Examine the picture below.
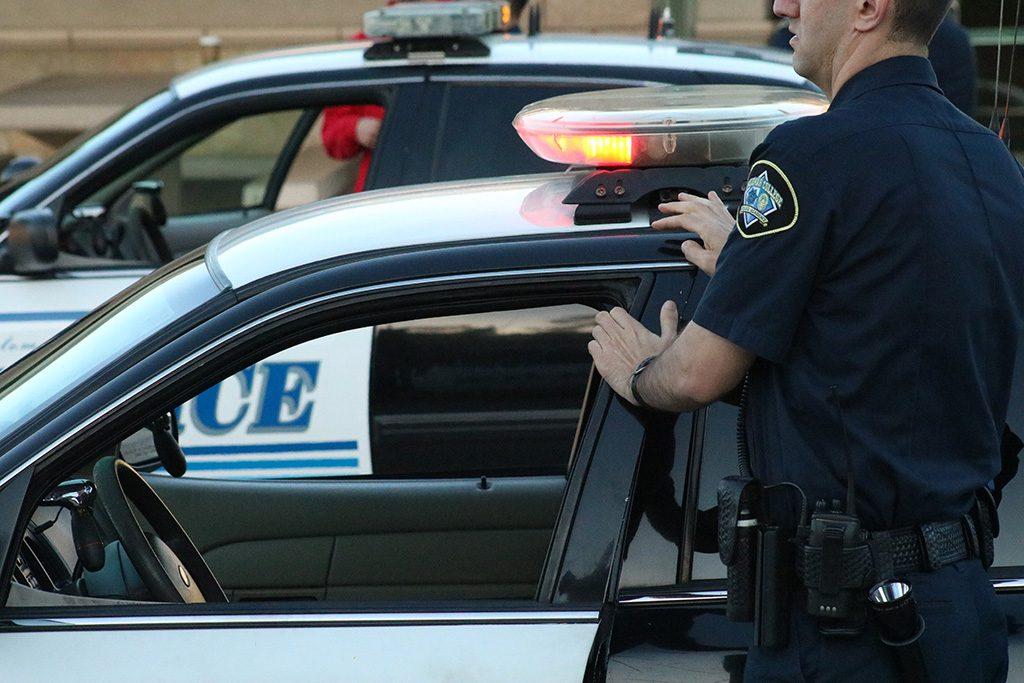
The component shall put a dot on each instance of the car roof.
(400, 218)
(507, 49)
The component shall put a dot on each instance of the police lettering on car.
(870, 284)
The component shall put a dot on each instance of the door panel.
(394, 539)
(485, 650)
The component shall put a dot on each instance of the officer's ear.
(874, 15)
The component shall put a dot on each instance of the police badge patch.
(769, 203)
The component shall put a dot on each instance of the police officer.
(950, 53)
(879, 250)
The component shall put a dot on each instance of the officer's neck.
(865, 54)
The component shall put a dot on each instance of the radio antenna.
(1004, 129)
(851, 489)
(999, 67)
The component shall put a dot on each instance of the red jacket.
(339, 131)
(339, 135)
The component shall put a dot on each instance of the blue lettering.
(280, 408)
(204, 407)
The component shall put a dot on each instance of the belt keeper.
(971, 535)
(880, 545)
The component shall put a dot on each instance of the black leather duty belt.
(889, 554)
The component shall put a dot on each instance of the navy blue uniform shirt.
(880, 249)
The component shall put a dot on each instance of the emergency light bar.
(661, 126)
(438, 19)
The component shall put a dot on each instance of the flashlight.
(900, 626)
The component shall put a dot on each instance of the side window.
(401, 486)
(490, 394)
(228, 170)
(321, 169)
(232, 167)
(474, 112)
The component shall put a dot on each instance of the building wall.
(97, 41)
(45, 37)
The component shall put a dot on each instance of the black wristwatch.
(634, 382)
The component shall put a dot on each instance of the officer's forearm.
(696, 370)
(665, 386)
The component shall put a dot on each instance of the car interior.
(460, 504)
(228, 174)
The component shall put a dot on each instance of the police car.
(464, 560)
(236, 141)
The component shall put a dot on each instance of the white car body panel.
(425, 214)
(434, 653)
(32, 311)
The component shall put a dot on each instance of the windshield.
(84, 147)
(99, 339)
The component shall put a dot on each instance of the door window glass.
(318, 172)
(421, 460)
(228, 170)
(489, 394)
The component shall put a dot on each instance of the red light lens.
(585, 150)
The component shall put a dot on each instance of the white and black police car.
(236, 141)
(519, 522)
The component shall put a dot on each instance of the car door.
(398, 635)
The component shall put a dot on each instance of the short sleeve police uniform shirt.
(879, 249)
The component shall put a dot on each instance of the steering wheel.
(167, 560)
(131, 229)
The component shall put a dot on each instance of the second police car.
(599, 566)
(235, 141)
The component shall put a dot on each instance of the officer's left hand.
(708, 218)
(621, 342)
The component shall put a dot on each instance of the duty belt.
(888, 554)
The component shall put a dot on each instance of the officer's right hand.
(708, 218)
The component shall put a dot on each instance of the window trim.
(211, 347)
(527, 613)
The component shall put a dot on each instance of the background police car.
(447, 118)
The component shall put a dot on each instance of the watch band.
(634, 382)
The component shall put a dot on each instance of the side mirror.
(18, 165)
(32, 241)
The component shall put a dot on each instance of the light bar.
(438, 19)
(663, 126)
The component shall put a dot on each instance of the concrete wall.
(96, 41)
(44, 37)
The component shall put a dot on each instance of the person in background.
(352, 130)
(950, 53)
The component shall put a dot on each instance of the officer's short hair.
(517, 6)
(917, 20)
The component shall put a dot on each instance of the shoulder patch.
(769, 202)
